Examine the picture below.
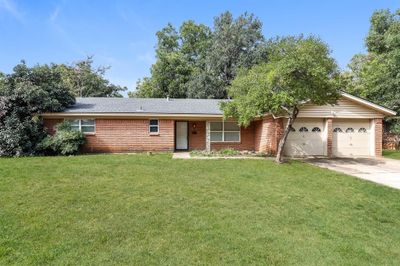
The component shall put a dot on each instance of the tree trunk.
(288, 128)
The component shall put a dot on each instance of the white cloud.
(54, 14)
(10, 7)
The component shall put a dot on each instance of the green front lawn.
(139, 209)
(391, 154)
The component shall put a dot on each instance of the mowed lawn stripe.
(139, 209)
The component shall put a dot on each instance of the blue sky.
(121, 34)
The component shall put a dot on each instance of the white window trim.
(80, 125)
(223, 133)
(158, 127)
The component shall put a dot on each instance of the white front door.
(351, 137)
(181, 138)
(306, 139)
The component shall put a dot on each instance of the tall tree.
(24, 94)
(199, 62)
(177, 54)
(375, 75)
(84, 80)
(300, 70)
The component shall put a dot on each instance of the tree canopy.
(84, 80)
(375, 75)
(24, 94)
(199, 62)
(299, 70)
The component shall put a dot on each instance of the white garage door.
(351, 138)
(306, 139)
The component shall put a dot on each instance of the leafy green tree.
(195, 42)
(375, 75)
(199, 62)
(300, 70)
(25, 94)
(84, 80)
(173, 68)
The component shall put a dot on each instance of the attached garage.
(350, 128)
(352, 137)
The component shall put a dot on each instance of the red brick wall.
(329, 141)
(49, 125)
(378, 137)
(258, 133)
(267, 134)
(264, 135)
(197, 135)
(124, 135)
(246, 141)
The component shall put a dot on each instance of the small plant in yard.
(229, 152)
(66, 141)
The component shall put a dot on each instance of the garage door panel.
(306, 139)
(351, 138)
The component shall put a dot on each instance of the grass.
(151, 210)
(393, 154)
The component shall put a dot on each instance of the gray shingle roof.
(145, 105)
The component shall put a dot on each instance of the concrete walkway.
(379, 170)
(181, 155)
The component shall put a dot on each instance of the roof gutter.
(127, 115)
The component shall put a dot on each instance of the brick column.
(208, 141)
(329, 139)
(378, 136)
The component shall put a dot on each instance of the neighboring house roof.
(97, 106)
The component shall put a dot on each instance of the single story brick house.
(352, 127)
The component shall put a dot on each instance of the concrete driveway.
(378, 170)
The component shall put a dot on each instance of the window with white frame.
(86, 126)
(153, 126)
(224, 132)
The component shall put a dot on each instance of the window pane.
(75, 127)
(216, 126)
(153, 129)
(74, 123)
(216, 136)
(87, 122)
(231, 126)
(154, 122)
(231, 136)
(88, 129)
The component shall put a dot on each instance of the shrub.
(66, 141)
(229, 152)
(18, 135)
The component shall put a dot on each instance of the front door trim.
(187, 136)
